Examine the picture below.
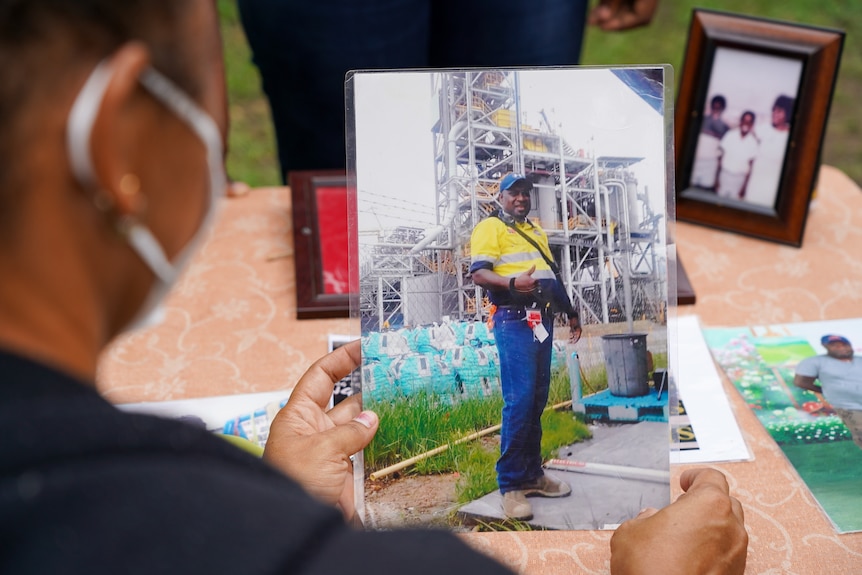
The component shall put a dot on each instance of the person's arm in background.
(565, 305)
(806, 373)
(613, 15)
(806, 382)
(744, 187)
(718, 164)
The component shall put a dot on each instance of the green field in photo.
(833, 472)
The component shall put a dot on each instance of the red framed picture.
(321, 219)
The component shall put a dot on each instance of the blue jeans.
(525, 376)
(303, 48)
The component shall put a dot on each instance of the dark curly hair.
(46, 43)
(785, 103)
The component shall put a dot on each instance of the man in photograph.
(766, 170)
(738, 149)
(512, 261)
(705, 168)
(839, 372)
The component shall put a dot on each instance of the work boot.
(516, 506)
(546, 486)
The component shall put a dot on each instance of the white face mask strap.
(175, 99)
(147, 247)
(82, 116)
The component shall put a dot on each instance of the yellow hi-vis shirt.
(497, 247)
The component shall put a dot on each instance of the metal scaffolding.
(601, 227)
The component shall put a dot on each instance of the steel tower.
(600, 224)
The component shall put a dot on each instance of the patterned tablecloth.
(230, 328)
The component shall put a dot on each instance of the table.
(230, 325)
(743, 281)
(230, 328)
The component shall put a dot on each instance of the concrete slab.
(597, 501)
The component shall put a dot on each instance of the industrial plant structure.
(606, 236)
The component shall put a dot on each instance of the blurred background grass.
(251, 141)
(252, 156)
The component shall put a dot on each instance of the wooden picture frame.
(321, 203)
(774, 79)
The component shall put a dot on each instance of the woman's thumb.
(356, 434)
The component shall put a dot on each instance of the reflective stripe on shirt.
(492, 241)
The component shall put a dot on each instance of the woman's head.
(148, 162)
(48, 46)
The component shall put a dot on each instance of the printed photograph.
(804, 383)
(513, 296)
(746, 126)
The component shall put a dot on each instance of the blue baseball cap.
(826, 339)
(511, 179)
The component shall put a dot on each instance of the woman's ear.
(116, 127)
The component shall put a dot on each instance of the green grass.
(505, 525)
(422, 422)
(476, 464)
(251, 141)
(252, 144)
(561, 428)
(561, 389)
(595, 379)
(478, 474)
(783, 351)
(832, 472)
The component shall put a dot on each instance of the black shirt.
(86, 488)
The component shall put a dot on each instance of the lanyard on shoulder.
(551, 263)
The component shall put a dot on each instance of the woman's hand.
(313, 445)
(701, 533)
